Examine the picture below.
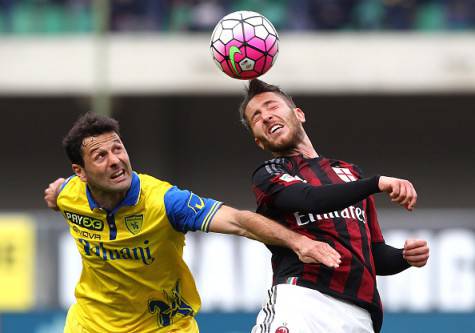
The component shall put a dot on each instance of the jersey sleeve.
(271, 178)
(187, 211)
(275, 186)
(373, 224)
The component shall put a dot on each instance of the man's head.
(272, 117)
(97, 153)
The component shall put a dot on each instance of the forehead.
(260, 100)
(92, 143)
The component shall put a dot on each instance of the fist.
(51, 193)
(400, 191)
(416, 252)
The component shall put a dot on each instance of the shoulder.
(274, 167)
(347, 166)
(72, 185)
(72, 192)
(150, 184)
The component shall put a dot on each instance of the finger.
(327, 260)
(402, 193)
(418, 263)
(331, 263)
(417, 258)
(413, 202)
(416, 251)
(414, 243)
(395, 190)
(334, 259)
(409, 194)
(332, 252)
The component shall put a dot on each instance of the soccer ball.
(244, 45)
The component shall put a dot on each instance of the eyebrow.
(264, 105)
(116, 140)
(269, 102)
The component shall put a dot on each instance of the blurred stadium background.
(389, 85)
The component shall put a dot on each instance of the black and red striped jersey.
(351, 230)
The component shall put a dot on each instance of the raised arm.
(307, 198)
(245, 223)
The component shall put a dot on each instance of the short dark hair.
(89, 124)
(257, 87)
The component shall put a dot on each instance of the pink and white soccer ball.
(244, 45)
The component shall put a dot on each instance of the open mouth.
(118, 174)
(275, 128)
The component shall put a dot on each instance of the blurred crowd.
(77, 16)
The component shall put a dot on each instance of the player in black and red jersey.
(330, 201)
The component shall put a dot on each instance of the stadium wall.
(174, 63)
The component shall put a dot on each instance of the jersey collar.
(131, 198)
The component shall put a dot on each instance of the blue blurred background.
(389, 85)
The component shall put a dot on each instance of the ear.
(80, 172)
(299, 114)
(259, 143)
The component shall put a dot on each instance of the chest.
(325, 172)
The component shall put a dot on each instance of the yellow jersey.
(134, 278)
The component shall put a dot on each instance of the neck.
(107, 200)
(304, 148)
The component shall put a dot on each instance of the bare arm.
(251, 225)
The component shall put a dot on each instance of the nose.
(113, 159)
(267, 117)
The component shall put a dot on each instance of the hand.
(416, 252)
(400, 191)
(310, 251)
(51, 193)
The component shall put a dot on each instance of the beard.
(288, 144)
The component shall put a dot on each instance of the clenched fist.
(51, 193)
(416, 252)
(400, 191)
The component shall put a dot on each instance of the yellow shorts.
(184, 325)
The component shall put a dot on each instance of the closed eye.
(255, 116)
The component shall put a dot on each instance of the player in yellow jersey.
(130, 229)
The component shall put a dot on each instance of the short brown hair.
(89, 124)
(257, 87)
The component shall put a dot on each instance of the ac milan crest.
(282, 329)
(344, 174)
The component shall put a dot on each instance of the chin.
(279, 147)
(120, 187)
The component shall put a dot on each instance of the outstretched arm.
(307, 198)
(245, 223)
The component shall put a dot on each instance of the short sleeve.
(187, 211)
(63, 185)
